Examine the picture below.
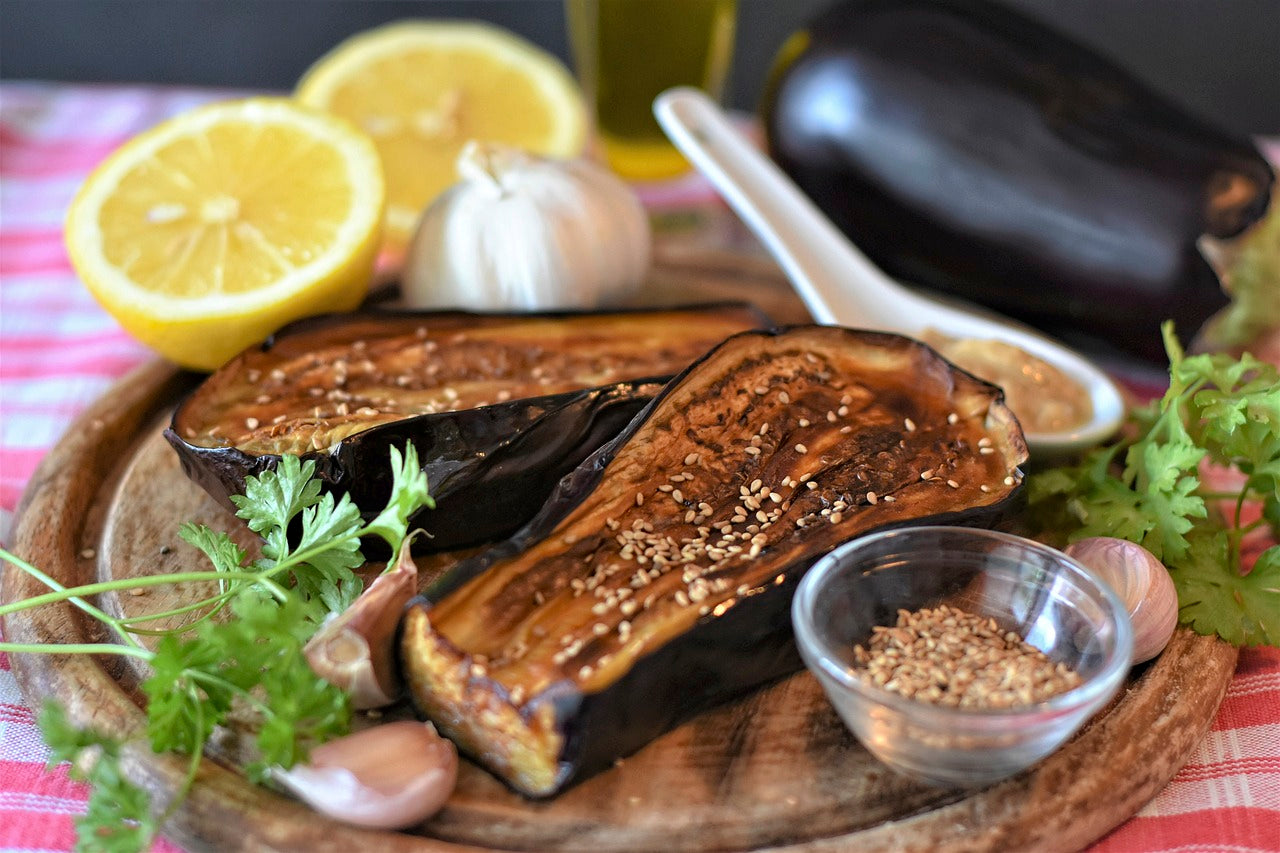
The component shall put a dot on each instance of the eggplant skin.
(499, 407)
(970, 149)
(656, 581)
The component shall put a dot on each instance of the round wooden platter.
(776, 771)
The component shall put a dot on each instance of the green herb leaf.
(1218, 409)
(252, 660)
(273, 498)
(118, 817)
(1215, 599)
(408, 494)
(328, 550)
(1251, 278)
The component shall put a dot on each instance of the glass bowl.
(1053, 602)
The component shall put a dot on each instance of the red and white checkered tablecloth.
(59, 351)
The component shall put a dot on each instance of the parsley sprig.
(250, 662)
(1147, 488)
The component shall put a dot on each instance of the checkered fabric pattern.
(59, 351)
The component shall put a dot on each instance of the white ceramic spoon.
(840, 285)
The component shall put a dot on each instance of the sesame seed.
(784, 397)
(761, 390)
(1008, 481)
(836, 517)
(984, 487)
(677, 495)
(804, 422)
(953, 418)
(585, 672)
(986, 451)
(754, 451)
(692, 459)
(811, 485)
(909, 424)
(872, 498)
(953, 484)
(251, 423)
(639, 499)
(831, 417)
(764, 428)
(800, 448)
(926, 474)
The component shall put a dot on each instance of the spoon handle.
(837, 283)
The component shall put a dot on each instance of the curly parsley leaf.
(118, 817)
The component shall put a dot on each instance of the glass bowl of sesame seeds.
(960, 656)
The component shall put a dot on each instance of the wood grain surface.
(775, 771)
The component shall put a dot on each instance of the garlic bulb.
(520, 232)
(1143, 584)
(388, 777)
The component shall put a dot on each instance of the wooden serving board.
(776, 771)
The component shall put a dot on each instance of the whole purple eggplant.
(970, 149)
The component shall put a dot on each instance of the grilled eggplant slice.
(657, 580)
(499, 407)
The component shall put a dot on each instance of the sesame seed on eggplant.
(656, 581)
(499, 406)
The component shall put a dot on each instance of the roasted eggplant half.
(657, 580)
(499, 407)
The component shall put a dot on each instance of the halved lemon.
(208, 232)
(422, 89)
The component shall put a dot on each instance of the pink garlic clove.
(355, 649)
(388, 777)
(1143, 584)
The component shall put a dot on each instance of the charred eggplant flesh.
(657, 580)
(498, 406)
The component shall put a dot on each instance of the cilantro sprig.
(1147, 488)
(250, 662)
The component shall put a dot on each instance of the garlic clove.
(1143, 584)
(388, 777)
(355, 649)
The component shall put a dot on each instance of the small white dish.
(840, 285)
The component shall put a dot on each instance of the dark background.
(1219, 58)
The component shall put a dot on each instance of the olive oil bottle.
(629, 51)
